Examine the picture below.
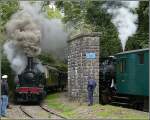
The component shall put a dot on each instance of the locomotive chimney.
(30, 63)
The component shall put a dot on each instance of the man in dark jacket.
(90, 87)
(4, 96)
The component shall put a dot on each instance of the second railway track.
(52, 112)
(40, 112)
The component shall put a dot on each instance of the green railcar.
(55, 79)
(132, 72)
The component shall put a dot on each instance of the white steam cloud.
(15, 56)
(123, 18)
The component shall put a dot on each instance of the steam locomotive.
(131, 81)
(33, 84)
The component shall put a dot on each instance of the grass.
(54, 103)
(122, 113)
(74, 110)
(52, 97)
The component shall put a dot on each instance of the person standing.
(91, 87)
(4, 96)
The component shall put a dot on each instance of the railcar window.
(141, 58)
(118, 67)
(122, 66)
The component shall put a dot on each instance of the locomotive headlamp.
(5, 76)
(112, 58)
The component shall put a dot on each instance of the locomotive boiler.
(30, 84)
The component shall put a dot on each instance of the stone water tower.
(83, 61)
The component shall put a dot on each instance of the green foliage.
(5, 66)
(52, 97)
(90, 14)
(7, 8)
(62, 67)
(109, 43)
(5, 69)
(2, 39)
(51, 13)
(46, 58)
(140, 39)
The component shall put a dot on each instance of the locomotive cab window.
(141, 58)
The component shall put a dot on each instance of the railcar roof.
(52, 68)
(132, 51)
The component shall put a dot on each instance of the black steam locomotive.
(33, 83)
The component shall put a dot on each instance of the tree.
(46, 58)
(90, 14)
(140, 39)
(7, 8)
(51, 13)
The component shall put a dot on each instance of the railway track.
(27, 110)
(52, 112)
(26, 113)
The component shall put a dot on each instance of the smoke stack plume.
(15, 56)
(53, 39)
(123, 18)
(26, 32)
(29, 31)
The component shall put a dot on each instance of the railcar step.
(119, 103)
(120, 97)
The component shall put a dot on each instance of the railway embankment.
(60, 103)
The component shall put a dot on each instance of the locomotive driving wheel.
(105, 96)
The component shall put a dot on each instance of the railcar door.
(121, 75)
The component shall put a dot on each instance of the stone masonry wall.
(80, 67)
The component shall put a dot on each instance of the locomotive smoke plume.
(25, 32)
(28, 31)
(15, 56)
(53, 37)
(123, 18)
(39, 66)
(24, 35)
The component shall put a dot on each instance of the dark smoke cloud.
(53, 39)
(29, 31)
(25, 32)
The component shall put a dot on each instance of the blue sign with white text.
(91, 55)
